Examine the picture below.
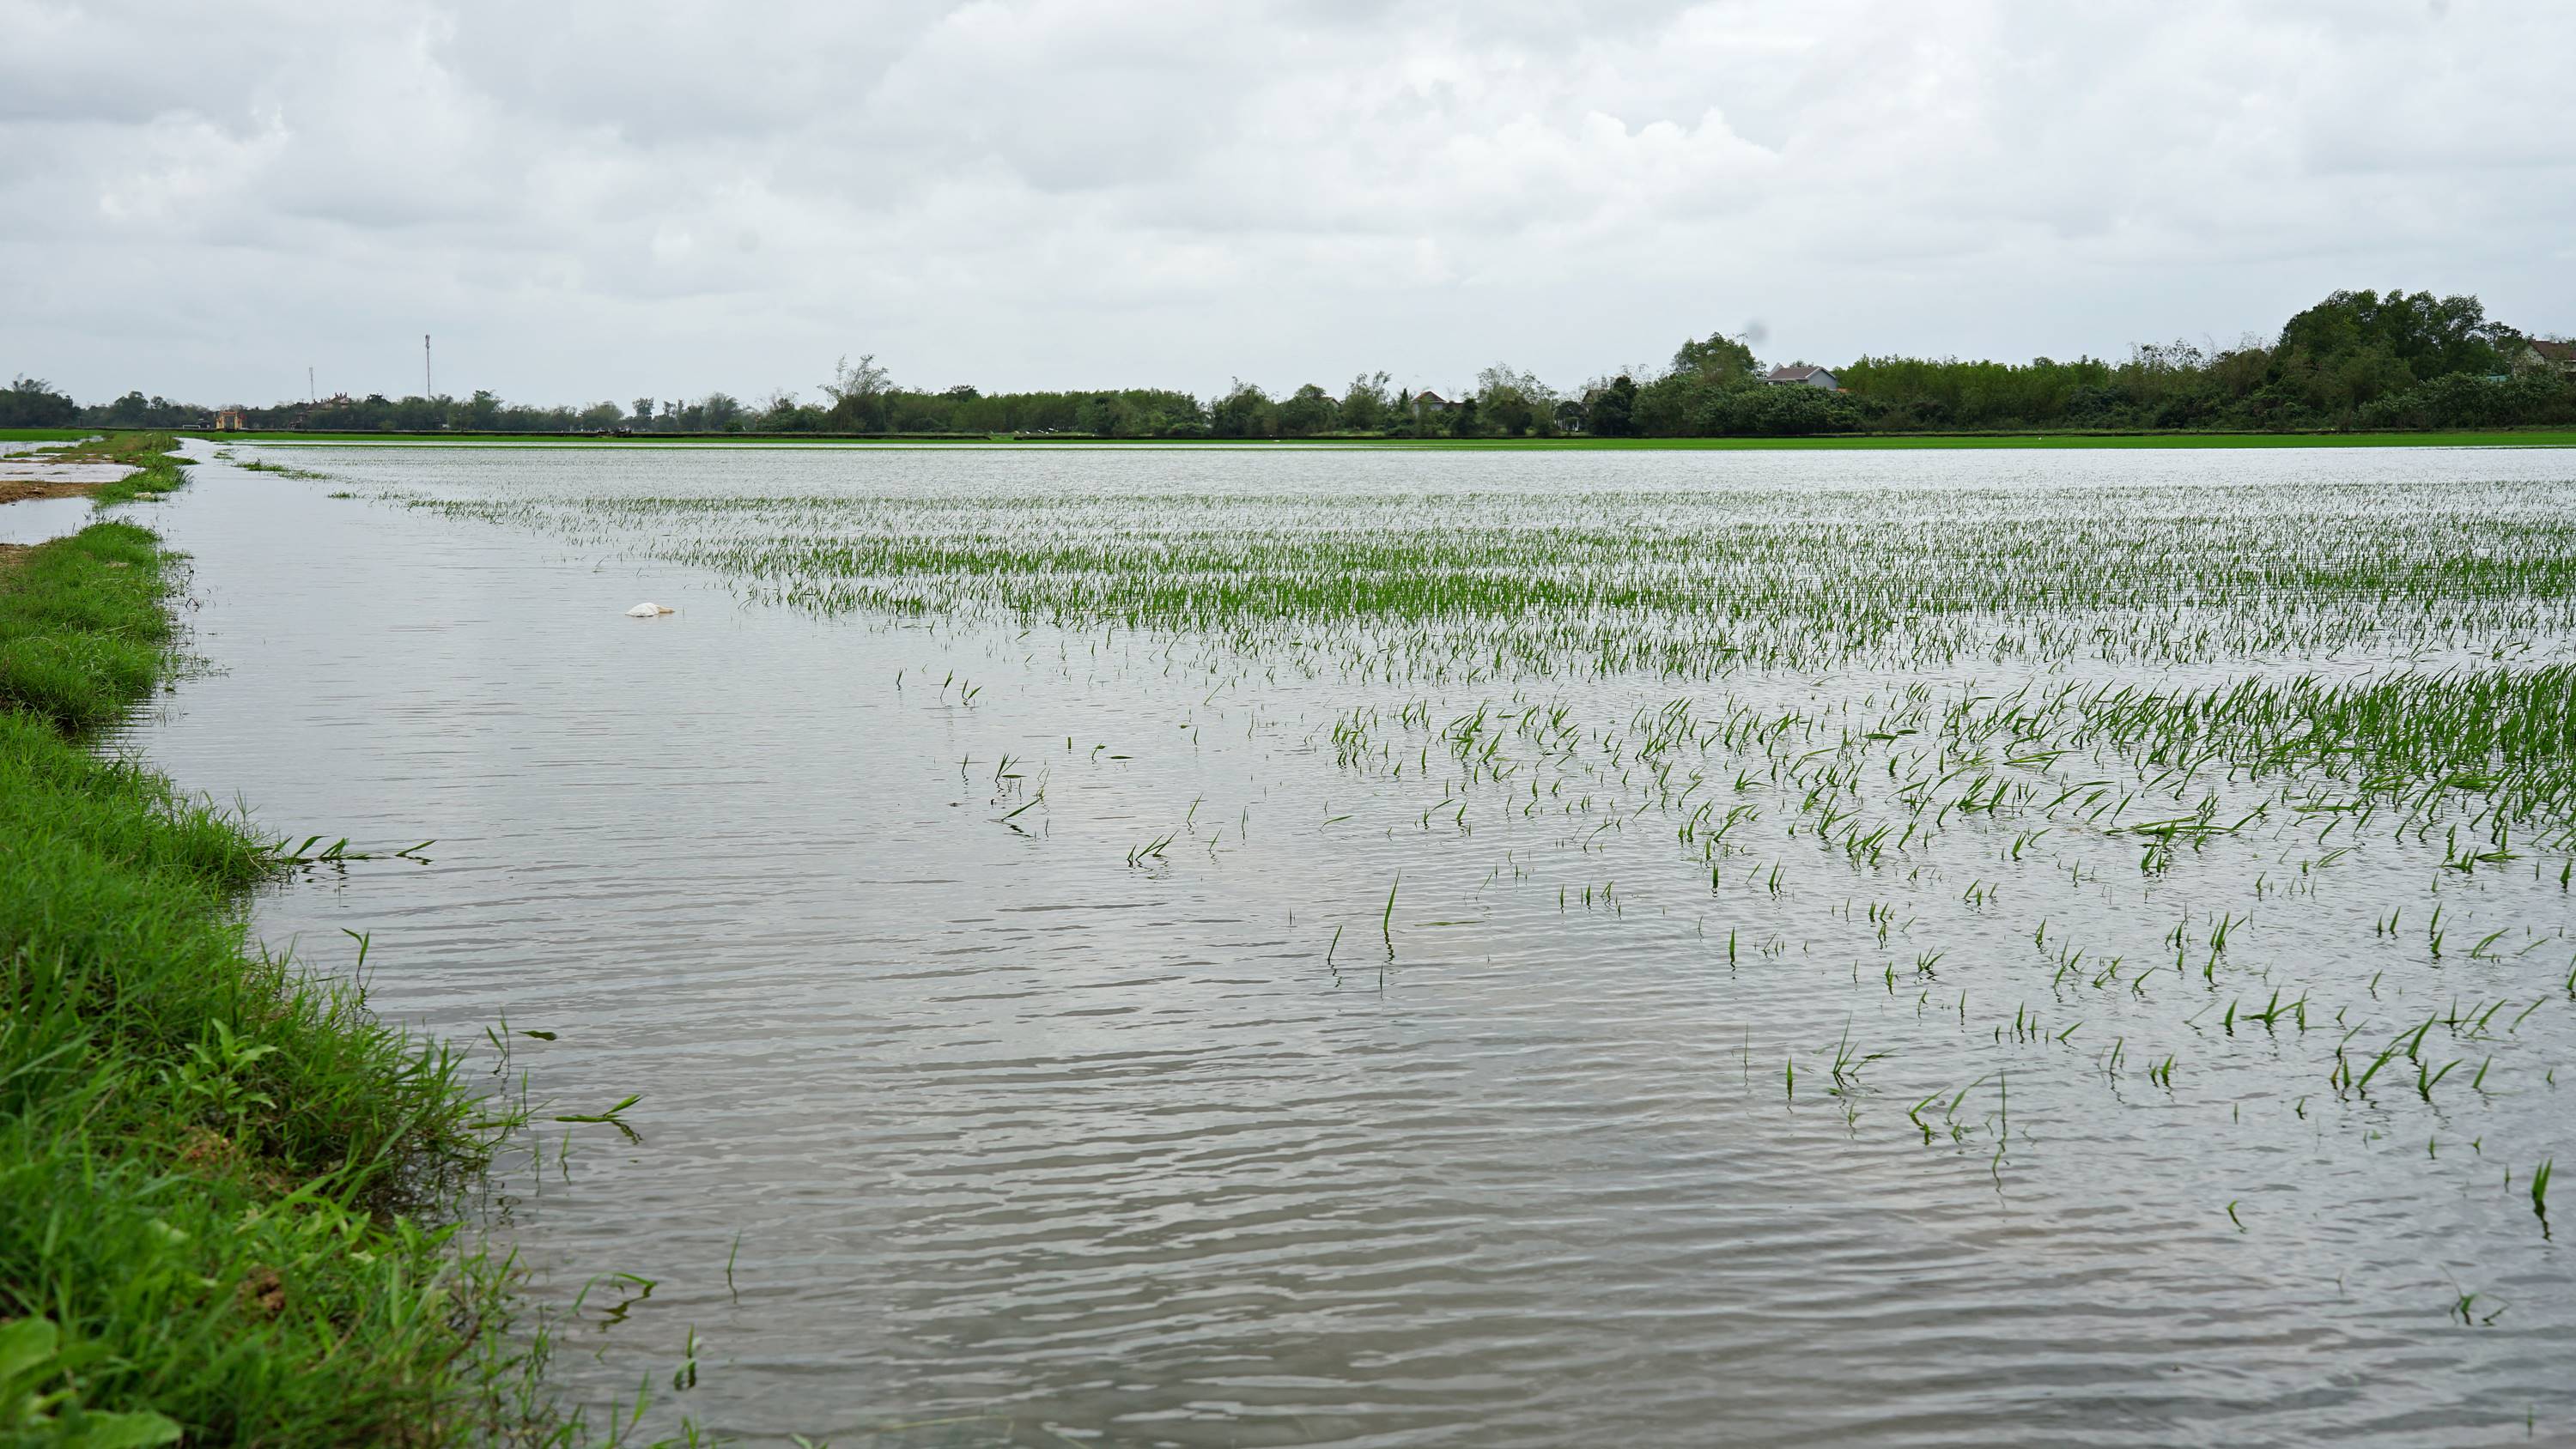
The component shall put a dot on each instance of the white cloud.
(606, 200)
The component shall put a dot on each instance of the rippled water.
(1024, 1139)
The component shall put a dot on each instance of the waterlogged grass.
(1459, 587)
(222, 1182)
(157, 468)
(82, 634)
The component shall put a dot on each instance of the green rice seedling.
(685, 1377)
(613, 1116)
(2424, 1084)
(1847, 1063)
(2362, 1084)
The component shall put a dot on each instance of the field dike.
(228, 1194)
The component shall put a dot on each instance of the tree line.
(2355, 360)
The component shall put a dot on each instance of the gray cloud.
(598, 200)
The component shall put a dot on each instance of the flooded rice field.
(1283, 946)
(38, 520)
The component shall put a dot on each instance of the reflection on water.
(1010, 1140)
(38, 520)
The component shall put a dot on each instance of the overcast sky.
(605, 200)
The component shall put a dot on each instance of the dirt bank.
(17, 487)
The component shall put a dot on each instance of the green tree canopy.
(1720, 358)
(1307, 411)
(2430, 336)
(31, 402)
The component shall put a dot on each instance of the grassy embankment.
(213, 1170)
(2490, 438)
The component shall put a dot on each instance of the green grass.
(82, 634)
(157, 471)
(220, 1178)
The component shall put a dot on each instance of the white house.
(2540, 354)
(1802, 377)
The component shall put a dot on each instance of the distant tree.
(1512, 401)
(1611, 407)
(643, 412)
(1720, 358)
(720, 411)
(2432, 336)
(1244, 412)
(134, 410)
(858, 396)
(780, 413)
(1369, 405)
(483, 410)
(1307, 411)
(1777, 412)
(1107, 415)
(2470, 400)
(31, 402)
(1463, 419)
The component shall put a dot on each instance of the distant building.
(231, 420)
(1427, 401)
(2541, 354)
(304, 419)
(1802, 377)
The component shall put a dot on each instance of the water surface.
(1025, 1137)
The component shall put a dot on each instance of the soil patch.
(18, 490)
